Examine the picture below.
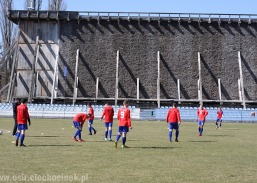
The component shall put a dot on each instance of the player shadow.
(154, 147)
(39, 136)
(207, 141)
(220, 135)
(53, 145)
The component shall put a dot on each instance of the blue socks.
(110, 134)
(22, 138)
(124, 140)
(170, 135)
(177, 133)
(90, 129)
(78, 133)
(118, 137)
(18, 135)
(106, 134)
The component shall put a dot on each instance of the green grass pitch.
(220, 155)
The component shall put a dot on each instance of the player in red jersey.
(22, 119)
(124, 124)
(174, 120)
(219, 117)
(78, 122)
(201, 113)
(91, 119)
(108, 119)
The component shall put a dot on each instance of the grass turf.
(220, 155)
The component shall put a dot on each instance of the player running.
(91, 119)
(219, 118)
(108, 119)
(173, 118)
(22, 119)
(201, 113)
(78, 122)
(124, 124)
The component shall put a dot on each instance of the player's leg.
(110, 131)
(124, 139)
(177, 132)
(90, 127)
(23, 135)
(77, 126)
(14, 127)
(170, 132)
(106, 130)
(120, 130)
(217, 126)
(220, 123)
(18, 133)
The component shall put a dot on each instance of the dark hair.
(125, 102)
(174, 104)
(89, 103)
(23, 100)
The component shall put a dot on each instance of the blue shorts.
(90, 121)
(77, 124)
(22, 127)
(200, 122)
(108, 124)
(173, 126)
(219, 120)
(123, 129)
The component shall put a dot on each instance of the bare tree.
(6, 29)
(8, 33)
(57, 5)
(33, 5)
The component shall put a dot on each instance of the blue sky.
(168, 6)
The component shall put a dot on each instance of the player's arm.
(129, 119)
(179, 118)
(167, 117)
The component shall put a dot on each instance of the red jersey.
(81, 118)
(173, 116)
(108, 114)
(124, 117)
(201, 113)
(91, 112)
(22, 114)
(220, 113)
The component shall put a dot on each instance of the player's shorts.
(77, 124)
(173, 126)
(123, 129)
(200, 122)
(22, 127)
(90, 121)
(108, 124)
(219, 120)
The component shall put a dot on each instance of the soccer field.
(220, 155)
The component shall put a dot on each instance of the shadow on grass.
(39, 136)
(207, 141)
(220, 135)
(154, 147)
(50, 145)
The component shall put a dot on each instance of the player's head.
(23, 100)
(89, 104)
(201, 106)
(17, 100)
(126, 103)
(106, 103)
(174, 104)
